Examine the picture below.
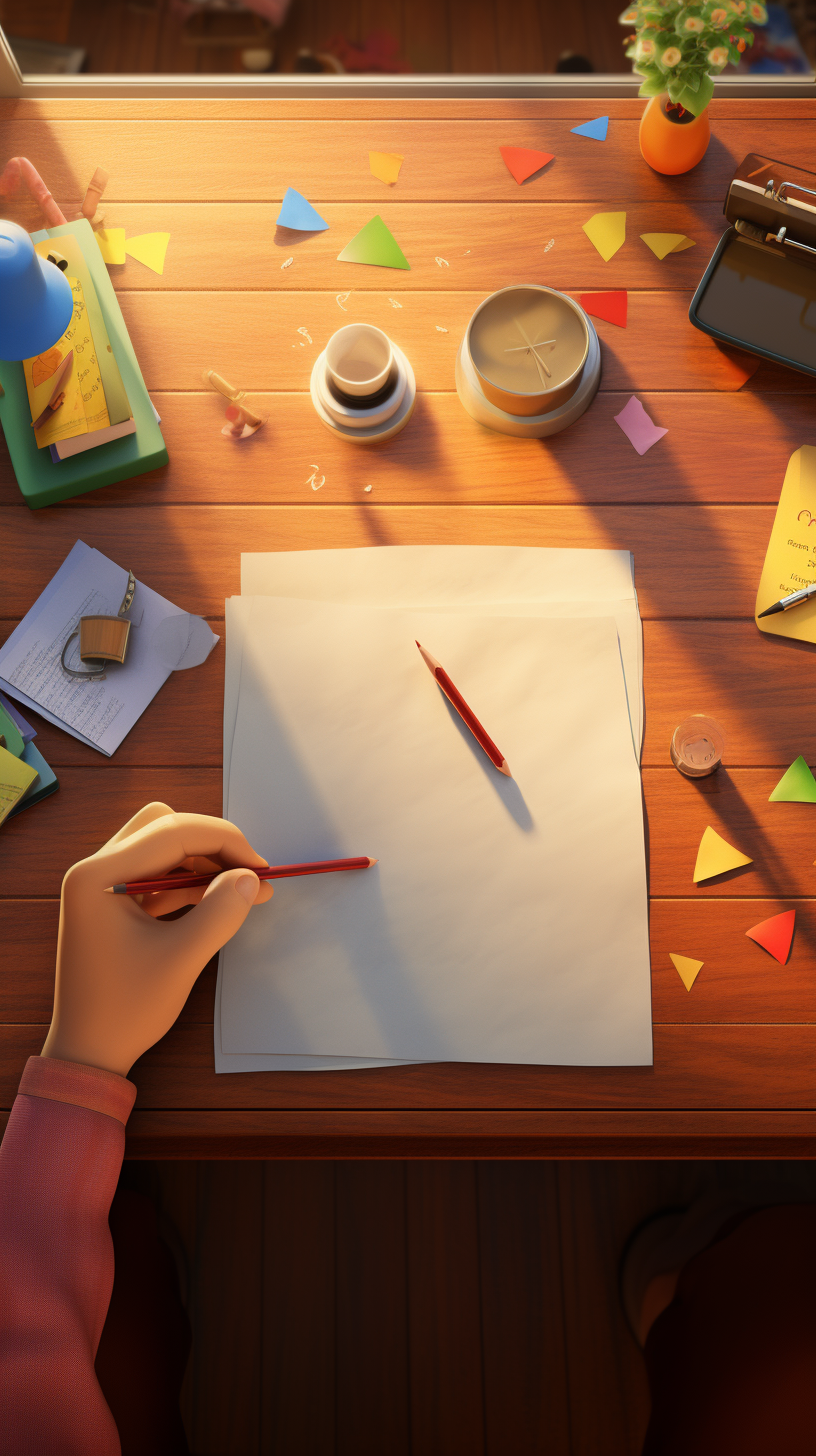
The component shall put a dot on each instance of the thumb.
(222, 910)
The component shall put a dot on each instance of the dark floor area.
(467, 36)
(420, 1309)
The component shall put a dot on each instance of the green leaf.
(675, 88)
(704, 94)
(652, 87)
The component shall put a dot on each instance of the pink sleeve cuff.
(72, 1082)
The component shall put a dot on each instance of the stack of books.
(25, 777)
(105, 427)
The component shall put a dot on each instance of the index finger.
(160, 846)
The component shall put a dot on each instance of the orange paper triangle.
(521, 162)
(775, 935)
(687, 969)
(609, 306)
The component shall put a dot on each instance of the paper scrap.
(522, 162)
(662, 244)
(287, 264)
(315, 480)
(374, 244)
(16, 779)
(442, 263)
(596, 129)
(687, 969)
(182, 640)
(638, 427)
(150, 249)
(394, 304)
(550, 244)
(775, 935)
(299, 214)
(111, 244)
(796, 786)
(341, 299)
(385, 166)
(611, 306)
(715, 856)
(607, 230)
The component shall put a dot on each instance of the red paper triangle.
(775, 935)
(522, 162)
(609, 306)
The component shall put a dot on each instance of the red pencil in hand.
(467, 715)
(192, 881)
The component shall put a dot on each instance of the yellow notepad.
(84, 406)
(15, 778)
(790, 561)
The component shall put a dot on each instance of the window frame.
(16, 86)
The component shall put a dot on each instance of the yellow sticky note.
(150, 249)
(687, 969)
(111, 244)
(607, 230)
(15, 779)
(790, 561)
(662, 244)
(84, 407)
(716, 855)
(385, 165)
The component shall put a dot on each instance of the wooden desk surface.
(735, 1061)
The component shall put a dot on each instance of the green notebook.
(47, 782)
(43, 481)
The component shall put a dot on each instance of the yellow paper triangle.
(111, 244)
(662, 244)
(385, 165)
(150, 249)
(716, 855)
(687, 969)
(607, 230)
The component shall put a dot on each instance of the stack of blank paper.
(506, 919)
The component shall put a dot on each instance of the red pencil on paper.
(273, 872)
(467, 715)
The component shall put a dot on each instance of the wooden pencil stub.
(103, 639)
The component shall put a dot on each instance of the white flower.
(672, 56)
(718, 56)
(693, 23)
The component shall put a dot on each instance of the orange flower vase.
(669, 145)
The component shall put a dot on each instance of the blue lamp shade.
(36, 301)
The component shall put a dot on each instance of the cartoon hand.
(123, 975)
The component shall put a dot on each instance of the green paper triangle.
(797, 786)
(374, 244)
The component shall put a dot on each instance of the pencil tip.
(503, 768)
(372, 861)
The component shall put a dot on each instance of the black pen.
(785, 603)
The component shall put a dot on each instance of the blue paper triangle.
(297, 213)
(596, 128)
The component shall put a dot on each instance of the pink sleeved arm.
(59, 1165)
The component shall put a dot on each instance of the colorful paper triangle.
(150, 249)
(662, 244)
(522, 162)
(385, 166)
(299, 214)
(687, 969)
(596, 128)
(374, 244)
(796, 786)
(775, 935)
(111, 244)
(715, 856)
(607, 230)
(610, 306)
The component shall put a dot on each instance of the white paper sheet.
(571, 581)
(101, 714)
(507, 919)
(237, 614)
